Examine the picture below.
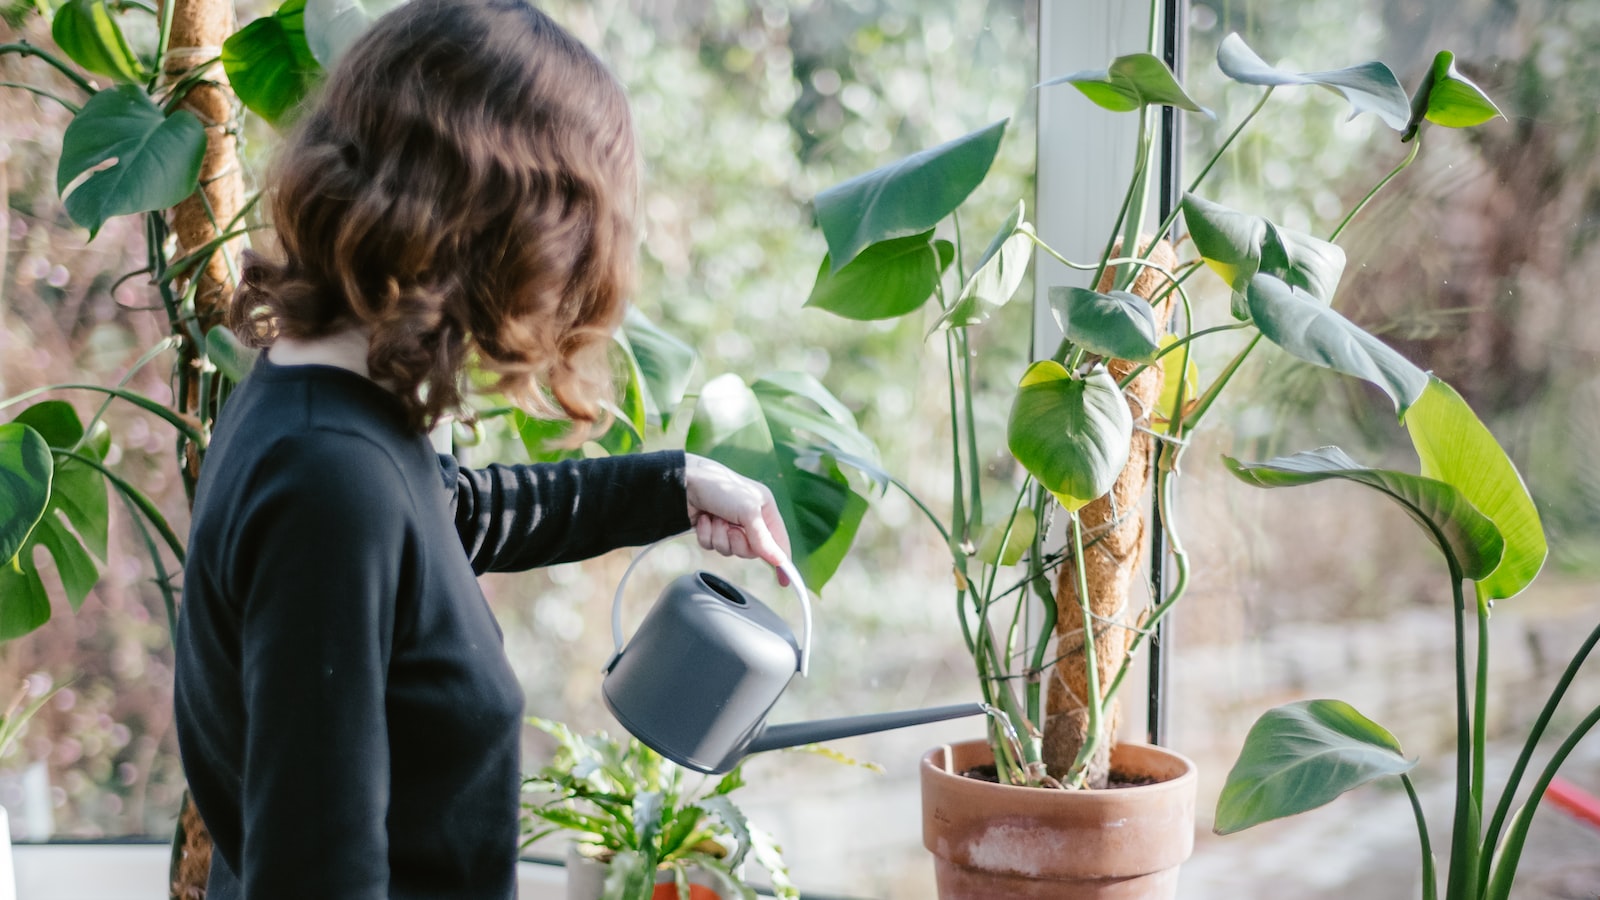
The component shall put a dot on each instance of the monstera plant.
(1108, 415)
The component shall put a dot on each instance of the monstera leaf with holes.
(788, 432)
(53, 502)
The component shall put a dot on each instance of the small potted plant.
(643, 828)
(1106, 417)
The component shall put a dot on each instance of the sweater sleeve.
(319, 556)
(512, 518)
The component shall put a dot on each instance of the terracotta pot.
(991, 840)
(586, 878)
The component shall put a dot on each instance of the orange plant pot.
(992, 840)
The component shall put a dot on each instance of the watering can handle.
(787, 568)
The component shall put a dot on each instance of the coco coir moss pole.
(1114, 528)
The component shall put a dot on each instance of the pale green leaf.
(1301, 756)
(905, 197)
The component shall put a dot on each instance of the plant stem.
(1430, 878)
(41, 92)
(1217, 156)
(1092, 701)
(1416, 145)
(1491, 838)
(1505, 870)
(1133, 221)
(975, 470)
(1463, 836)
(1127, 204)
(24, 48)
(1480, 710)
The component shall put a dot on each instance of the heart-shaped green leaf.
(886, 280)
(135, 157)
(1310, 331)
(1118, 325)
(1448, 98)
(1370, 87)
(25, 473)
(1454, 525)
(905, 197)
(1456, 448)
(269, 64)
(1301, 756)
(331, 26)
(231, 357)
(773, 433)
(1132, 81)
(997, 277)
(1072, 434)
(87, 33)
(1239, 245)
(1017, 543)
(665, 365)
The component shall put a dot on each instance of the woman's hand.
(734, 515)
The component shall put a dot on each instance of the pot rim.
(932, 766)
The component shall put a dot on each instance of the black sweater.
(347, 718)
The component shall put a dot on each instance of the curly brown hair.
(464, 188)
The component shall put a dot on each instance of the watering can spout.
(793, 734)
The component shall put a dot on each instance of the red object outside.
(669, 891)
(1581, 805)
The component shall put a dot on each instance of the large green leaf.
(546, 440)
(1456, 448)
(1072, 434)
(87, 33)
(886, 280)
(772, 433)
(76, 490)
(905, 197)
(665, 365)
(78, 496)
(331, 26)
(131, 157)
(999, 273)
(1310, 331)
(1132, 81)
(1118, 325)
(269, 63)
(1370, 87)
(1454, 525)
(1448, 98)
(1238, 246)
(1301, 756)
(25, 473)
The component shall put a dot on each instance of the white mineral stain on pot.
(1014, 848)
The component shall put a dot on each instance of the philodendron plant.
(1471, 504)
(1118, 400)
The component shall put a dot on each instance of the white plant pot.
(8, 874)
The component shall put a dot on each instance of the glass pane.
(1472, 262)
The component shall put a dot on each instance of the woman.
(463, 191)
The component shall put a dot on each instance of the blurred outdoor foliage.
(1481, 260)
(744, 111)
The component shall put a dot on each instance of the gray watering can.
(706, 664)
